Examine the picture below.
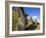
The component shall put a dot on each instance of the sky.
(32, 11)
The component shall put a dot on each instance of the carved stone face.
(18, 18)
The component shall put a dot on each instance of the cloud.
(35, 18)
(28, 17)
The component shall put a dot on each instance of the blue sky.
(32, 11)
